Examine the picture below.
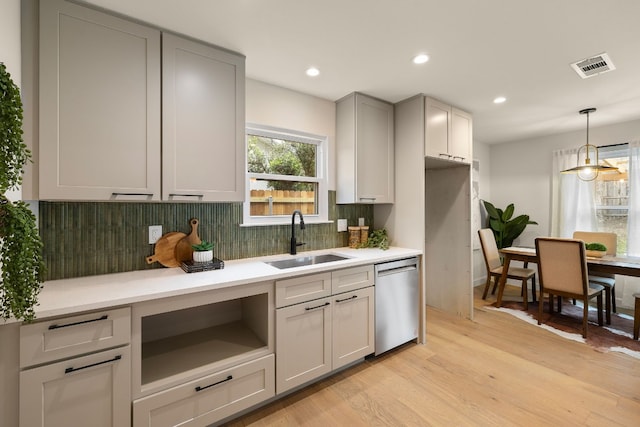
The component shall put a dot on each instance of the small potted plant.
(596, 250)
(203, 252)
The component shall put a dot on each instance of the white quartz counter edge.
(69, 296)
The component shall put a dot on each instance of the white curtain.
(573, 200)
(633, 221)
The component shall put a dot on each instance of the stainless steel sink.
(305, 260)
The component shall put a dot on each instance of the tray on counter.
(191, 266)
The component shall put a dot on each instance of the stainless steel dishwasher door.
(397, 299)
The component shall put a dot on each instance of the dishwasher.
(396, 300)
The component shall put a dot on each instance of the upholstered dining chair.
(610, 240)
(494, 268)
(562, 270)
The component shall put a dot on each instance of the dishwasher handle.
(397, 270)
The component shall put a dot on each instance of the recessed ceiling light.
(420, 59)
(499, 100)
(312, 72)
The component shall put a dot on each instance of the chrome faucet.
(294, 243)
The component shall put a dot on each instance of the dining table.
(624, 265)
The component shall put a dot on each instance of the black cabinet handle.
(55, 326)
(115, 194)
(72, 369)
(347, 299)
(200, 196)
(229, 378)
(317, 306)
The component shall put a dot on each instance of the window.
(286, 171)
(612, 193)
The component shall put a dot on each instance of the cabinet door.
(203, 148)
(353, 326)
(92, 390)
(303, 343)
(99, 101)
(461, 136)
(374, 151)
(437, 128)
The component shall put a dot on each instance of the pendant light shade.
(589, 167)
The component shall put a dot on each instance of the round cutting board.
(165, 250)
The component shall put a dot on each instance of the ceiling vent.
(593, 66)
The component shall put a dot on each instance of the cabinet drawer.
(93, 390)
(66, 337)
(301, 289)
(351, 278)
(209, 399)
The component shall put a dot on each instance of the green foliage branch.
(20, 243)
(505, 227)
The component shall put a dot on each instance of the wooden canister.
(354, 237)
(364, 235)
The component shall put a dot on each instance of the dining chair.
(562, 270)
(610, 240)
(494, 268)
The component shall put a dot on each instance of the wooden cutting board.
(184, 251)
(165, 250)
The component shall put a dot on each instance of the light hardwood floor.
(494, 371)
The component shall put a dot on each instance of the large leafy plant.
(20, 243)
(505, 227)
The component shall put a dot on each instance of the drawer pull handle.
(317, 306)
(116, 194)
(229, 378)
(55, 326)
(347, 299)
(200, 196)
(72, 369)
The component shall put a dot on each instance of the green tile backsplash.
(90, 238)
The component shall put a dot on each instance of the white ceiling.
(479, 49)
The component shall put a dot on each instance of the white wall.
(521, 171)
(284, 108)
(10, 49)
(9, 356)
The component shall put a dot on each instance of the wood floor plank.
(494, 371)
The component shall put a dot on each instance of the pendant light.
(589, 168)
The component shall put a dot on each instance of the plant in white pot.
(203, 252)
(20, 244)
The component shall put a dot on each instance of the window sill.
(306, 222)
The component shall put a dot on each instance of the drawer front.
(62, 338)
(303, 288)
(351, 279)
(209, 399)
(90, 390)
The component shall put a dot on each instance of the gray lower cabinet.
(70, 375)
(319, 335)
(208, 399)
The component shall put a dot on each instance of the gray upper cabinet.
(364, 150)
(203, 152)
(447, 132)
(99, 105)
(123, 118)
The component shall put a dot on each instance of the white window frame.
(321, 175)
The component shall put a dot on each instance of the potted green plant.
(20, 244)
(505, 227)
(596, 250)
(203, 252)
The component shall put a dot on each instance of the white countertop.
(68, 296)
